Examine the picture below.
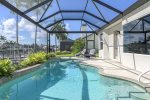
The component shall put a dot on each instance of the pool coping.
(19, 73)
(101, 72)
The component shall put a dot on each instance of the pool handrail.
(143, 73)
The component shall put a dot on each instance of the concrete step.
(126, 99)
(140, 96)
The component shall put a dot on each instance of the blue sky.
(26, 32)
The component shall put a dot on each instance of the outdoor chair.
(91, 53)
(81, 53)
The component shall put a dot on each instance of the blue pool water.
(65, 80)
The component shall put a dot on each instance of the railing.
(139, 77)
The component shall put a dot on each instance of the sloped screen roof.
(94, 13)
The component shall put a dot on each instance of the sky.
(27, 29)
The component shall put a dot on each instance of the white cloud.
(67, 26)
(9, 24)
(25, 25)
(8, 29)
(40, 34)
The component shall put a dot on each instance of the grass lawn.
(97, 55)
(65, 55)
(72, 55)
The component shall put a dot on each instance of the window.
(134, 43)
(148, 42)
(101, 41)
(90, 44)
(137, 36)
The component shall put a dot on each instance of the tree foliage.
(2, 39)
(60, 27)
(78, 46)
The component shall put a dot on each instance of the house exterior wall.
(139, 62)
(91, 37)
(108, 42)
(104, 53)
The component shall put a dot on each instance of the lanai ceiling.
(46, 14)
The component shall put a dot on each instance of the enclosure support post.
(94, 41)
(86, 44)
(35, 44)
(47, 47)
(49, 42)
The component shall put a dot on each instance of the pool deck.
(113, 68)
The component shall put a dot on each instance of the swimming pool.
(66, 80)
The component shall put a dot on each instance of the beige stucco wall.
(104, 54)
(133, 61)
(108, 46)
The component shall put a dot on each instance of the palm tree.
(59, 36)
(20, 4)
(37, 13)
(2, 39)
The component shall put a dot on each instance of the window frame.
(144, 32)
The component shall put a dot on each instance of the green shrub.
(6, 68)
(62, 52)
(17, 66)
(33, 59)
(78, 46)
(36, 58)
(65, 52)
(50, 55)
(25, 63)
(58, 52)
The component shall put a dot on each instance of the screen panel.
(91, 8)
(72, 15)
(51, 20)
(72, 4)
(24, 5)
(120, 4)
(93, 20)
(107, 13)
(53, 8)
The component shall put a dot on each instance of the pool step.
(125, 98)
(136, 96)
(140, 96)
